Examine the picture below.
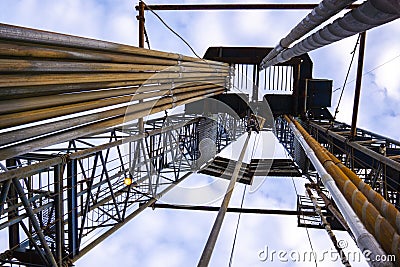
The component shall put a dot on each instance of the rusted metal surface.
(66, 79)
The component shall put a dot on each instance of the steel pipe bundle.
(325, 10)
(85, 86)
(370, 14)
(387, 210)
(367, 213)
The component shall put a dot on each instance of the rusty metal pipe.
(53, 127)
(16, 119)
(20, 118)
(333, 210)
(43, 52)
(27, 35)
(327, 227)
(54, 79)
(98, 127)
(45, 90)
(37, 67)
(21, 134)
(31, 103)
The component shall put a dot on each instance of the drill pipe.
(46, 90)
(373, 221)
(386, 209)
(102, 126)
(15, 119)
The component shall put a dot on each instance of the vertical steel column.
(256, 77)
(59, 213)
(13, 230)
(140, 18)
(358, 85)
(72, 184)
(212, 239)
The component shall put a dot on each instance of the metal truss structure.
(374, 158)
(67, 208)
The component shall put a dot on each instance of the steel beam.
(357, 92)
(234, 210)
(72, 203)
(13, 230)
(233, 7)
(59, 213)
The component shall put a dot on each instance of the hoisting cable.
(308, 234)
(347, 76)
(371, 70)
(172, 30)
(241, 206)
(237, 227)
(327, 227)
(147, 37)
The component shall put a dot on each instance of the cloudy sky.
(176, 238)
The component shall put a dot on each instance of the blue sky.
(176, 238)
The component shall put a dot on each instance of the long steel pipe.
(387, 209)
(325, 10)
(20, 118)
(71, 78)
(13, 33)
(363, 218)
(212, 239)
(132, 106)
(98, 127)
(368, 15)
(45, 90)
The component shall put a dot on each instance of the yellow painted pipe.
(373, 221)
(386, 209)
